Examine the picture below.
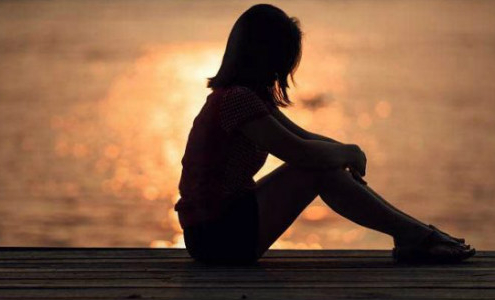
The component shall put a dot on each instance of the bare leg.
(354, 201)
(369, 189)
(385, 202)
(284, 193)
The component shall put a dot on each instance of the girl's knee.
(321, 176)
(332, 175)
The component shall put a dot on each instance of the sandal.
(459, 240)
(433, 249)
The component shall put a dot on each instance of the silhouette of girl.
(226, 216)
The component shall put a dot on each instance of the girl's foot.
(445, 235)
(459, 240)
(435, 248)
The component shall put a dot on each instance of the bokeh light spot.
(383, 109)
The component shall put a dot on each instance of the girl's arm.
(315, 136)
(301, 132)
(271, 135)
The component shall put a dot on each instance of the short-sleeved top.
(219, 161)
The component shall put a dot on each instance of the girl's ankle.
(407, 240)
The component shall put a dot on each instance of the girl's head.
(263, 49)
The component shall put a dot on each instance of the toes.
(460, 240)
(451, 253)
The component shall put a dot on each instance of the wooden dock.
(136, 273)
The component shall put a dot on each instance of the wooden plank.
(416, 274)
(59, 253)
(297, 260)
(167, 267)
(180, 264)
(34, 253)
(286, 292)
(251, 283)
(93, 259)
(130, 273)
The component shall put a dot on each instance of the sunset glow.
(97, 102)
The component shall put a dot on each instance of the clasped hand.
(356, 163)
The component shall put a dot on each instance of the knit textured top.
(219, 161)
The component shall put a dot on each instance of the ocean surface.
(97, 99)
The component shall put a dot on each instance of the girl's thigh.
(282, 195)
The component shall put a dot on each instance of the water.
(96, 100)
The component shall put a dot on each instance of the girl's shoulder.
(234, 89)
(236, 93)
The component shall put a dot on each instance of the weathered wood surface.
(131, 273)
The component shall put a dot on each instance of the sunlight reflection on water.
(95, 129)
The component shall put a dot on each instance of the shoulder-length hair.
(263, 49)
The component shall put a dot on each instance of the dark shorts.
(231, 239)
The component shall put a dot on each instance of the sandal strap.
(435, 238)
(432, 239)
(444, 233)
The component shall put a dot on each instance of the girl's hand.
(356, 159)
(357, 176)
(357, 166)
